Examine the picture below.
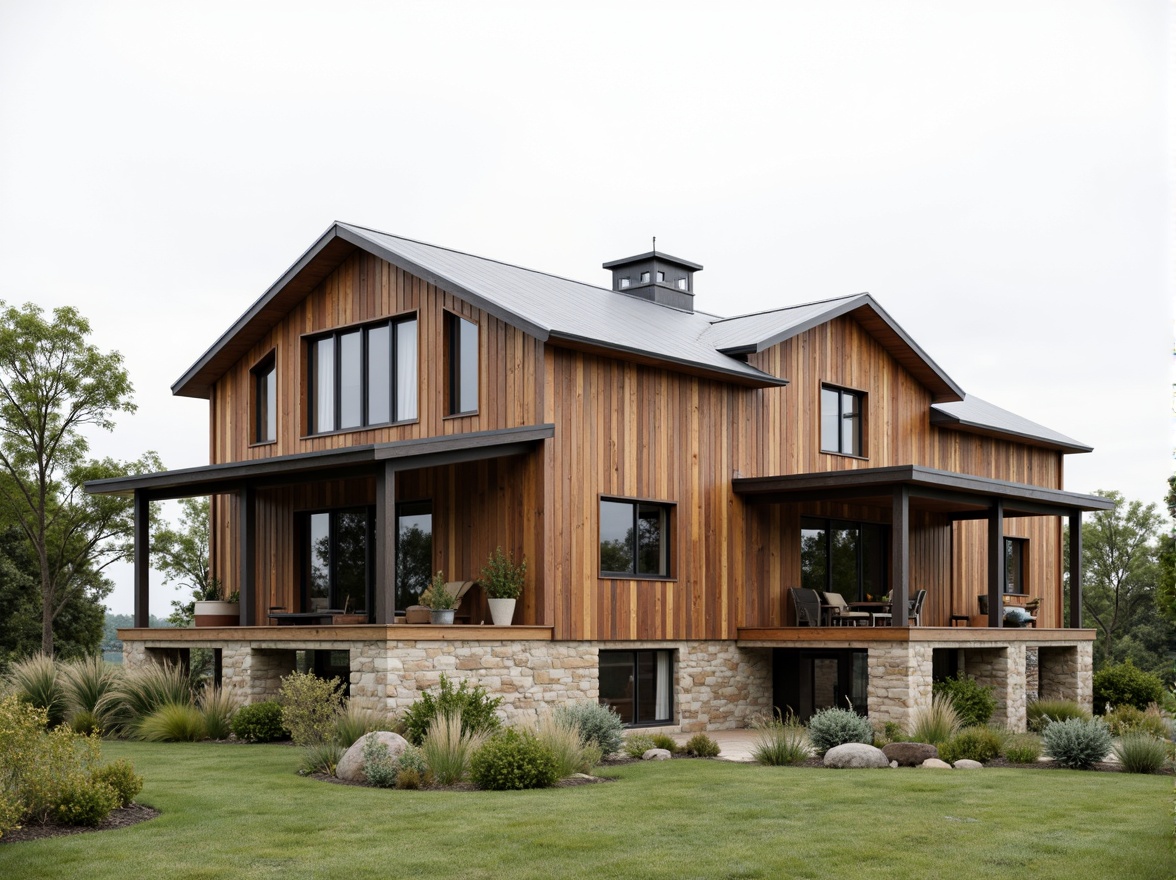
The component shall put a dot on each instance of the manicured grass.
(242, 812)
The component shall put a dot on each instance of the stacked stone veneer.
(900, 681)
(1002, 669)
(718, 685)
(1066, 672)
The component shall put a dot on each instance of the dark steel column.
(996, 563)
(247, 539)
(142, 561)
(1075, 569)
(900, 556)
(385, 574)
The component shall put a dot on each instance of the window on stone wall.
(638, 685)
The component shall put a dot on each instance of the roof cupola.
(656, 277)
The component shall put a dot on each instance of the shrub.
(36, 681)
(21, 728)
(513, 760)
(665, 741)
(936, 723)
(448, 748)
(217, 706)
(259, 722)
(502, 577)
(1140, 752)
(835, 727)
(637, 744)
(59, 763)
(1023, 748)
(1122, 684)
(972, 743)
(85, 723)
(309, 707)
(141, 691)
(1041, 712)
(562, 738)
(120, 775)
(891, 731)
(172, 722)
(702, 746)
(1076, 743)
(355, 721)
(84, 802)
(409, 779)
(972, 701)
(599, 725)
(321, 757)
(780, 741)
(1128, 719)
(473, 706)
(85, 683)
(379, 766)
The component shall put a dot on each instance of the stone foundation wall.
(1002, 669)
(900, 681)
(1067, 673)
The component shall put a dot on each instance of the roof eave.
(947, 420)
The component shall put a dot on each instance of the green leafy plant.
(780, 741)
(665, 741)
(702, 746)
(259, 722)
(448, 748)
(513, 760)
(83, 801)
(437, 597)
(172, 722)
(599, 725)
(1128, 719)
(974, 744)
(637, 744)
(501, 577)
(834, 727)
(972, 701)
(472, 704)
(936, 723)
(120, 775)
(1140, 752)
(888, 732)
(1039, 713)
(1023, 748)
(310, 706)
(561, 737)
(379, 766)
(1077, 743)
(1122, 684)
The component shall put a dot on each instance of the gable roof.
(981, 417)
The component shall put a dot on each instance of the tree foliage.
(54, 387)
(180, 554)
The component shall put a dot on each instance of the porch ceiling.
(960, 495)
(355, 460)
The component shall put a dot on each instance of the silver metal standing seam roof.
(972, 413)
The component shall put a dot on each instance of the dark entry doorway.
(805, 681)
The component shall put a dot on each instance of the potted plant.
(502, 579)
(440, 602)
(210, 609)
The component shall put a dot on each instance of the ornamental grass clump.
(974, 744)
(835, 727)
(1040, 713)
(935, 724)
(356, 720)
(972, 701)
(38, 682)
(448, 748)
(86, 682)
(598, 725)
(1140, 752)
(141, 691)
(476, 709)
(217, 707)
(512, 760)
(310, 706)
(171, 722)
(322, 757)
(780, 741)
(1023, 748)
(561, 737)
(1077, 743)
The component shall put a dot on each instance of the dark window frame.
(858, 443)
(639, 700)
(310, 343)
(882, 537)
(640, 505)
(334, 558)
(455, 328)
(404, 509)
(1016, 551)
(264, 379)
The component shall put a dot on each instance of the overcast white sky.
(998, 175)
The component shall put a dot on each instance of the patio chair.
(808, 606)
(915, 608)
(839, 613)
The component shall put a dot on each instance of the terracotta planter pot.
(218, 613)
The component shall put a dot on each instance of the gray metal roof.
(980, 416)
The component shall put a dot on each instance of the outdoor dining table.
(875, 610)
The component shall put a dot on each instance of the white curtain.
(663, 685)
(406, 371)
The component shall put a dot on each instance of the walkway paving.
(734, 745)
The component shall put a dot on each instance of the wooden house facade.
(390, 409)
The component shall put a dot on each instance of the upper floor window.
(842, 414)
(634, 538)
(363, 376)
(463, 365)
(1014, 581)
(265, 400)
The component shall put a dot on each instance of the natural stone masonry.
(1066, 672)
(900, 681)
(1002, 669)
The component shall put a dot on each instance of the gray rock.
(656, 755)
(935, 764)
(910, 754)
(966, 764)
(351, 764)
(856, 756)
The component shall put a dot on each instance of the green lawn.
(241, 811)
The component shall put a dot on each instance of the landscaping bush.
(1122, 684)
(1128, 719)
(36, 681)
(1041, 712)
(472, 704)
(1077, 743)
(85, 683)
(448, 747)
(120, 775)
(1023, 748)
(309, 707)
(259, 722)
(172, 722)
(937, 723)
(835, 727)
(598, 724)
(780, 741)
(1140, 752)
(972, 743)
(217, 706)
(512, 760)
(379, 766)
(665, 741)
(972, 701)
(84, 802)
(561, 737)
(702, 746)
(890, 732)
(637, 744)
(21, 727)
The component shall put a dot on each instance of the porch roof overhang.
(231, 477)
(961, 496)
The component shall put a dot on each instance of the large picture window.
(850, 558)
(414, 551)
(463, 365)
(634, 538)
(638, 685)
(1015, 552)
(338, 546)
(363, 376)
(842, 414)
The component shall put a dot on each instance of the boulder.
(935, 764)
(966, 764)
(656, 755)
(351, 764)
(856, 756)
(909, 754)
